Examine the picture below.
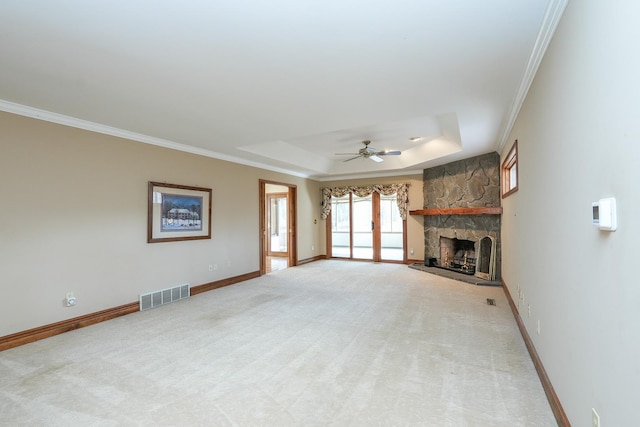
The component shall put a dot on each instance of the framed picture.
(178, 212)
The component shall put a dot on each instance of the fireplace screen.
(486, 264)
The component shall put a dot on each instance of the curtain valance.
(401, 190)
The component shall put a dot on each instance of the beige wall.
(74, 218)
(415, 224)
(578, 141)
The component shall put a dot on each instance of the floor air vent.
(165, 296)
(491, 301)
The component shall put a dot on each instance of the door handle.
(372, 226)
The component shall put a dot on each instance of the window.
(510, 171)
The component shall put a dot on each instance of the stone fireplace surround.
(469, 183)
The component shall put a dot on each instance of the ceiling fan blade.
(346, 154)
(353, 158)
(389, 153)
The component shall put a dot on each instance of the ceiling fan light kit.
(370, 153)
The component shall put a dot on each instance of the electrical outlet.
(210, 267)
(595, 418)
(313, 248)
(529, 309)
(215, 266)
(70, 300)
(538, 326)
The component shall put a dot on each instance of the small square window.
(510, 171)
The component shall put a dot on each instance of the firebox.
(457, 255)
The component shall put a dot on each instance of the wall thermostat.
(604, 214)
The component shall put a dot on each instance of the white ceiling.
(280, 84)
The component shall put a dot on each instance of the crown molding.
(552, 16)
(48, 116)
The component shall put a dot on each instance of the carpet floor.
(330, 343)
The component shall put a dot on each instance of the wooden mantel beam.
(458, 211)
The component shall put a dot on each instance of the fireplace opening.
(457, 255)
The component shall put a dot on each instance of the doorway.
(366, 228)
(277, 226)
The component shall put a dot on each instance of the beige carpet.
(328, 343)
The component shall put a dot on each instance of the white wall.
(579, 140)
(73, 217)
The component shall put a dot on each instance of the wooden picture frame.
(178, 212)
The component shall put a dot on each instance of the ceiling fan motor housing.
(366, 151)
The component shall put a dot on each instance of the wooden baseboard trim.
(35, 334)
(46, 331)
(552, 397)
(312, 259)
(224, 282)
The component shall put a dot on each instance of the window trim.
(509, 163)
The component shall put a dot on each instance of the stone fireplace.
(461, 230)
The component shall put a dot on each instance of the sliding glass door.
(341, 226)
(362, 221)
(368, 227)
(391, 229)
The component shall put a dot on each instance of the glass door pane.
(340, 227)
(391, 229)
(277, 225)
(362, 227)
(279, 229)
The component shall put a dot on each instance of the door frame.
(292, 209)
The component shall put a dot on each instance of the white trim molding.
(48, 116)
(552, 16)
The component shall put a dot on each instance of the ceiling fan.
(370, 153)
